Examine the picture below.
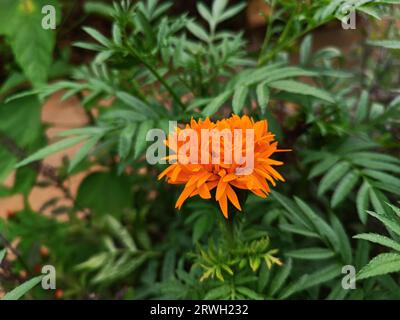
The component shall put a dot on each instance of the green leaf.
(218, 293)
(383, 177)
(120, 232)
(310, 280)
(389, 223)
(305, 50)
(301, 88)
(280, 278)
(168, 267)
(83, 152)
(218, 7)
(344, 188)
(54, 148)
(382, 264)
(297, 230)
(332, 176)
(32, 45)
(322, 166)
(20, 291)
(97, 36)
(232, 11)
(249, 293)
(104, 193)
(376, 200)
(125, 140)
(198, 31)
(94, 262)
(362, 202)
(374, 156)
(379, 239)
(377, 165)
(263, 95)
(204, 12)
(140, 144)
(388, 44)
(362, 107)
(239, 98)
(311, 254)
(344, 248)
(319, 225)
(136, 104)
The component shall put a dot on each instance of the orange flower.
(220, 160)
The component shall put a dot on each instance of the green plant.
(383, 263)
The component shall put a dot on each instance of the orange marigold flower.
(224, 155)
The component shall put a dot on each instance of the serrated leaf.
(311, 254)
(136, 104)
(21, 290)
(383, 177)
(322, 166)
(83, 152)
(263, 95)
(218, 293)
(389, 223)
(362, 201)
(125, 140)
(301, 88)
(298, 230)
(198, 31)
(344, 188)
(319, 225)
(382, 264)
(239, 98)
(249, 293)
(388, 44)
(218, 7)
(54, 148)
(140, 143)
(344, 248)
(305, 50)
(362, 107)
(280, 278)
(379, 239)
(310, 280)
(231, 12)
(204, 12)
(332, 176)
(97, 36)
(120, 232)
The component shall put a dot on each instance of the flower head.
(222, 156)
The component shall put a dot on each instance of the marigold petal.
(184, 195)
(223, 204)
(220, 189)
(233, 197)
(204, 192)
